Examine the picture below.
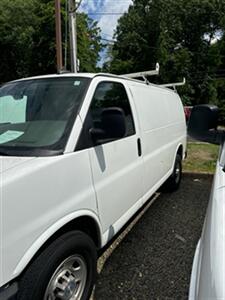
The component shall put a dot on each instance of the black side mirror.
(112, 126)
(203, 123)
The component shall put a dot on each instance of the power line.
(113, 1)
(156, 48)
(105, 13)
(184, 48)
(191, 52)
(109, 41)
(106, 34)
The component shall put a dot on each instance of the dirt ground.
(152, 258)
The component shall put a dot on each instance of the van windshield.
(36, 116)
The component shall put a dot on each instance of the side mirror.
(203, 123)
(112, 126)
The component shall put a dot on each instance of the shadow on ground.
(154, 259)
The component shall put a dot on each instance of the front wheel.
(65, 270)
(173, 182)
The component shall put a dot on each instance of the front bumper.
(9, 291)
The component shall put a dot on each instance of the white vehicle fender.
(45, 236)
(175, 154)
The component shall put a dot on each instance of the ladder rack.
(173, 85)
(144, 74)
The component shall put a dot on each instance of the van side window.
(107, 94)
(112, 94)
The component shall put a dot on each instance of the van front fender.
(45, 236)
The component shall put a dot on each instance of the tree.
(88, 39)
(17, 25)
(178, 34)
(27, 42)
(89, 43)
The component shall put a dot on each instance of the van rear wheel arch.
(180, 151)
(173, 182)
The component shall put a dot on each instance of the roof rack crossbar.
(173, 85)
(143, 74)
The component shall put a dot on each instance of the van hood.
(9, 162)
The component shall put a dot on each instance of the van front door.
(116, 165)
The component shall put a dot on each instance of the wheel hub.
(68, 281)
(70, 290)
(65, 286)
(177, 173)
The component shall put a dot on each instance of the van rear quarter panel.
(163, 129)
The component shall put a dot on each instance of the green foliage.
(201, 158)
(89, 43)
(180, 35)
(16, 43)
(27, 41)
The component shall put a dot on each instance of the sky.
(107, 13)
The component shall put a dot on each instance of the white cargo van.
(80, 154)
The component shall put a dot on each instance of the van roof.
(91, 76)
(87, 75)
(70, 74)
(67, 74)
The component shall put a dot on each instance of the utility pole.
(58, 35)
(73, 6)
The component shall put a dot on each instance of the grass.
(201, 158)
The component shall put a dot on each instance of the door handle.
(139, 147)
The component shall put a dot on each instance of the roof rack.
(144, 74)
(174, 85)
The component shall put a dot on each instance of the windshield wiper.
(30, 152)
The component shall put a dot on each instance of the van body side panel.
(162, 130)
(117, 176)
(175, 132)
(38, 194)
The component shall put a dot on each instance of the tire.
(66, 268)
(173, 182)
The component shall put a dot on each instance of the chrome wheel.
(69, 280)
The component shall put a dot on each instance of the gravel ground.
(152, 258)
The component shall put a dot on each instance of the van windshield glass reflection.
(38, 114)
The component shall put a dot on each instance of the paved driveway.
(152, 258)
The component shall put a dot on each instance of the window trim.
(84, 141)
